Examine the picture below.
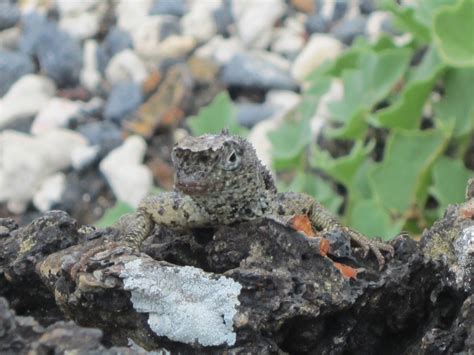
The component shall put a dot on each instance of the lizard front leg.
(171, 209)
(292, 203)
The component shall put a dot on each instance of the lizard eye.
(232, 161)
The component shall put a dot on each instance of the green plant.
(384, 94)
(408, 125)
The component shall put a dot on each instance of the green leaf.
(318, 87)
(406, 112)
(342, 169)
(289, 140)
(319, 189)
(371, 219)
(454, 33)
(113, 214)
(457, 105)
(355, 127)
(406, 19)
(399, 181)
(219, 114)
(449, 182)
(375, 76)
(425, 10)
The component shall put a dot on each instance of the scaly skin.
(219, 180)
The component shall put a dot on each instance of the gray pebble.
(116, 41)
(123, 100)
(316, 24)
(348, 29)
(59, 55)
(249, 114)
(104, 134)
(9, 14)
(247, 70)
(168, 7)
(13, 65)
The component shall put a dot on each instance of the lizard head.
(217, 165)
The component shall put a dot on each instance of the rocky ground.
(93, 94)
(256, 287)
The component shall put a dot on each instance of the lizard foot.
(375, 246)
(81, 264)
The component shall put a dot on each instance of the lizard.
(219, 180)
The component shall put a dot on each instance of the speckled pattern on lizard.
(219, 180)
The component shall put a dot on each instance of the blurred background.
(366, 105)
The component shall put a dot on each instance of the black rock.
(59, 56)
(388, 27)
(249, 114)
(26, 335)
(123, 100)
(13, 65)
(255, 71)
(9, 14)
(58, 53)
(116, 41)
(316, 24)
(223, 17)
(104, 134)
(366, 6)
(340, 9)
(168, 7)
(348, 29)
(169, 27)
(32, 25)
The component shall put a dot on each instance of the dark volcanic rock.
(9, 14)
(20, 252)
(116, 41)
(316, 24)
(24, 335)
(256, 71)
(13, 65)
(103, 134)
(123, 100)
(254, 287)
(59, 56)
(347, 30)
(249, 114)
(168, 7)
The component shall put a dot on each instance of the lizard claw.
(81, 264)
(374, 246)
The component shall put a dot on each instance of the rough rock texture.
(24, 335)
(282, 294)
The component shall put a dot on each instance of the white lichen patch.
(464, 249)
(184, 303)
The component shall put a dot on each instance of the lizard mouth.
(192, 187)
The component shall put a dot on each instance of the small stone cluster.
(78, 77)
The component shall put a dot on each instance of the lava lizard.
(219, 180)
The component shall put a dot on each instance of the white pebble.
(126, 66)
(129, 179)
(318, 49)
(56, 113)
(25, 98)
(50, 192)
(26, 161)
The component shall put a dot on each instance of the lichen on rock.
(184, 303)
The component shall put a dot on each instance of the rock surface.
(275, 291)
